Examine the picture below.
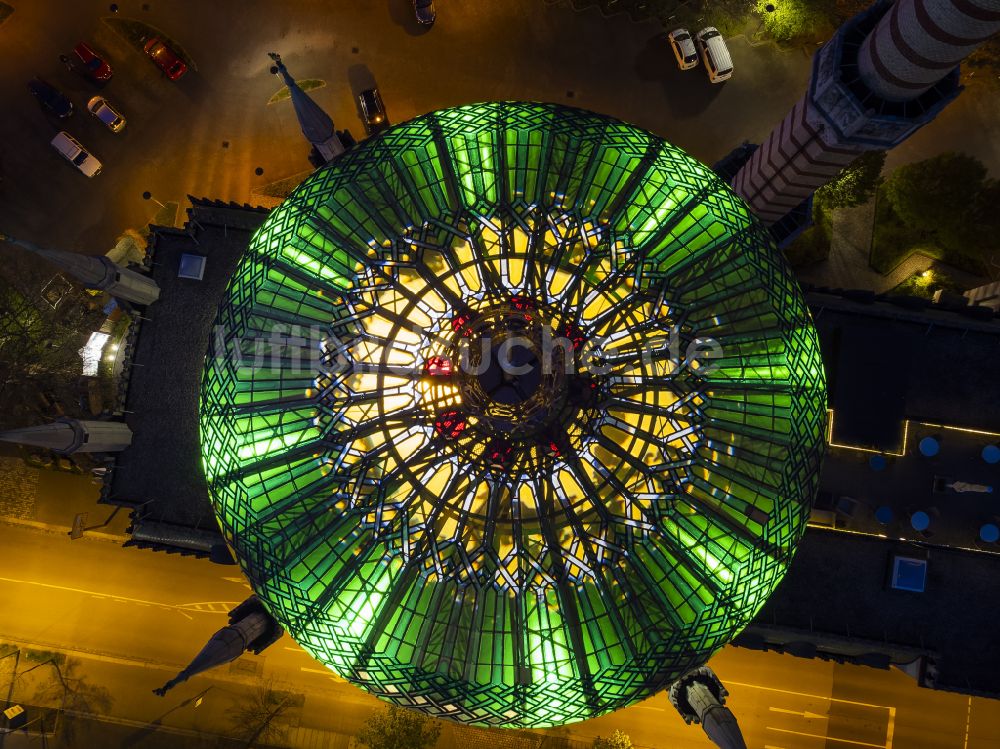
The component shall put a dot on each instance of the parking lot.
(208, 133)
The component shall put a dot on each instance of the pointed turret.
(67, 436)
(96, 272)
(316, 124)
(700, 698)
(251, 627)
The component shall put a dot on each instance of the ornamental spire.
(316, 124)
(67, 436)
(96, 272)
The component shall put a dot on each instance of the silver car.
(71, 150)
(683, 46)
(101, 109)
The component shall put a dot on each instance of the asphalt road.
(135, 617)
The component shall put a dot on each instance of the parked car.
(51, 98)
(715, 55)
(373, 111)
(101, 109)
(70, 148)
(91, 64)
(425, 11)
(165, 58)
(683, 46)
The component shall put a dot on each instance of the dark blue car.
(51, 98)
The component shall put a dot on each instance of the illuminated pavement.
(135, 617)
(207, 133)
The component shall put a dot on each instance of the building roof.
(838, 587)
(161, 470)
(943, 361)
(939, 367)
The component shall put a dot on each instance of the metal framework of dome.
(522, 549)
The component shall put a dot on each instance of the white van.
(76, 154)
(715, 55)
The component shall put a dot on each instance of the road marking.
(968, 721)
(814, 696)
(217, 607)
(325, 672)
(800, 713)
(890, 723)
(182, 608)
(827, 738)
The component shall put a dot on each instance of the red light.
(450, 424)
(575, 336)
(458, 322)
(499, 452)
(438, 366)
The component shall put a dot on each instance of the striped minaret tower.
(886, 73)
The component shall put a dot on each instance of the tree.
(948, 198)
(44, 322)
(795, 19)
(67, 688)
(856, 184)
(982, 67)
(396, 727)
(617, 740)
(261, 717)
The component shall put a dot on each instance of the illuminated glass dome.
(521, 548)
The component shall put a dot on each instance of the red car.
(165, 58)
(92, 64)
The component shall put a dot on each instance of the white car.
(715, 54)
(683, 46)
(101, 109)
(76, 154)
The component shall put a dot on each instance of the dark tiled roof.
(162, 466)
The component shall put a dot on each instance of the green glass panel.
(639, 517)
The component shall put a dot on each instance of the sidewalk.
(49, 499)
(112, 705)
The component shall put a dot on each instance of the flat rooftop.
(838, 585)
(934, 375)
